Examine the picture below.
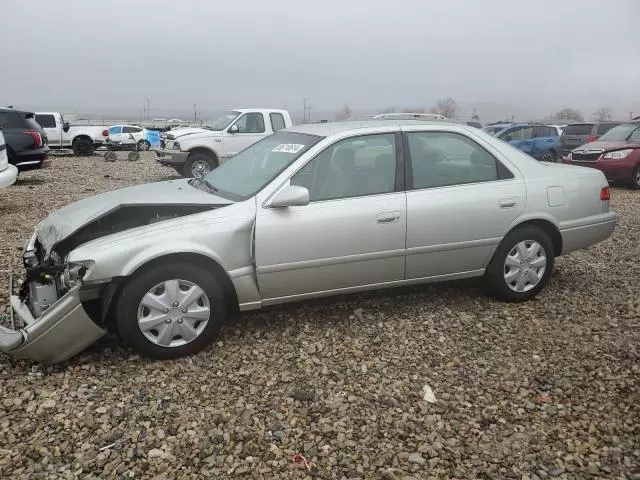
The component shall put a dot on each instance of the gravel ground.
(545, 389)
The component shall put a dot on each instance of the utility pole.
(305, 102)
(148, 109)
(630, 115)
(195, 114)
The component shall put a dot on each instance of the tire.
(143, 145)
(498, 269)
(152, 343)
(550, 156)
(83, 147)
(110, 156)
(133, 156)
(635, 179)
(198, 164)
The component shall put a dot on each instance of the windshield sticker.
(288, 148)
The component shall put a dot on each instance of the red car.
(616, 154)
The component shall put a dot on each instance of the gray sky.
(112, 54)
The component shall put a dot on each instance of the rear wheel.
(522, 264)
(635, 180)
(198, 165)
(143, 145)
(83, 147)
(171, 311)
(550, 156)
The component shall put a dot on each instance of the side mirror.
(291, 196)
(234, 129)
(65, 127)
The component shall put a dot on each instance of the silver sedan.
(310, 211)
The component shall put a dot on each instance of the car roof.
(332, 128)
(260, 110)
(26, 112)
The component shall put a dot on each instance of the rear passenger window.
(131, 129)
(605, 127)
(277, 121)
(10, 120)
(439, 159)
(46, 121)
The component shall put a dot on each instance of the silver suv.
(577, 134)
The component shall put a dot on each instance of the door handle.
(388, 217)
(508, 202)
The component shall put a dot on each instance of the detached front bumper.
(63, 330)
(170, 158)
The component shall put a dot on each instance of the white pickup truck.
(194, 152)
(83, 139)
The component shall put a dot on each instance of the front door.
(352, 233)
(250, 129)
(460, 200)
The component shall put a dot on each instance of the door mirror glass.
(291, 196)
(234, 129)
(65, 127)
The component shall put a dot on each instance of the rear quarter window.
(579, 129)
(11, 120)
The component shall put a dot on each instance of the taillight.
(37, 138)
(592, 138)
(105, 133)
(605, 194)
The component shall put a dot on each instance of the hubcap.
(200, 168)
(173, 313)
(524, 266)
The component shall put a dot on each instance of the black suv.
(26, 141)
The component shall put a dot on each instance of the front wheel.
(171, 311)
(522, 264)
(550, 156)
(198, 165)
(635, 180)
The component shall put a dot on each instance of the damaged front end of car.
(49, 322)
(57, 312)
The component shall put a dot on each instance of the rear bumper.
(584, 233)
(26, 161)
(8, 176)
(170, 158)
(63, 330)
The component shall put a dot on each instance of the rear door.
(460, 200)
(545, 141)
(53, 132)
(520, 137)
(575, 135)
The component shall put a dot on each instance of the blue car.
(540, 141)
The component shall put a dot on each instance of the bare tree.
(447, 107)
(569, 114)
(344, 113)
(602, 114)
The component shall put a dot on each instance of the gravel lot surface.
(545, 389)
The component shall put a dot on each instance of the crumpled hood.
(64, 222)
(607, 146)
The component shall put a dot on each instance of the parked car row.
(540, 141)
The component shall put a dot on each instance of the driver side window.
(250, 123)
(354, 167)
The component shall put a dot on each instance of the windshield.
(621, 133)
(493, 130)
(245, 174)
(222, 121)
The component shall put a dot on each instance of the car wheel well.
(204, 151)
(211, 265)
(550, 229)
(81, 137)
